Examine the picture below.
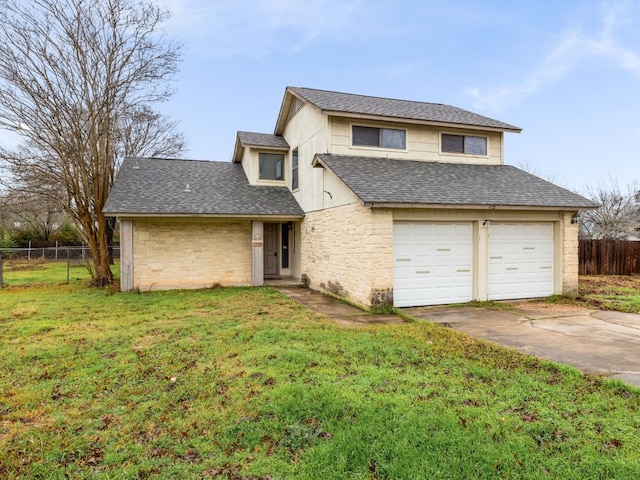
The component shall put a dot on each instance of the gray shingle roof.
(159, 186)
(401, 109)
(380, 180)
(262, 140)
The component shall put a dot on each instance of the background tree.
(618, 215)
(37, 217)
(78, 79)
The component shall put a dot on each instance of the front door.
(270, 249)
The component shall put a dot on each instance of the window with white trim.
(294, 169)
(466, 144)
(379, 137)
(271, 166)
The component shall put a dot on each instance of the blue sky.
(567, 72)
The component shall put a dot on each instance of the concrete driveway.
(593, 341)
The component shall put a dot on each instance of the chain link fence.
(17, 259)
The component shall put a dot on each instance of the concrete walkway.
(593, 341)
(339, 312)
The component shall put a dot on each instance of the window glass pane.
(452, 143)
(285, 245)
(294, 169)
(475, 145)
(392, 138)
(368, 136)
(271, 166)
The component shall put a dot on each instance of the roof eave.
(364, 116)
(474, 206)
(238, 150)
(274, 217)
(284, 111)
(266, 147)
(289, 95)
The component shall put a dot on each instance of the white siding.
(423, 143)
(308, 131)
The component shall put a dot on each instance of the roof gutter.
(274, 218)
(474, 206)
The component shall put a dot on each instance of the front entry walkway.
(593, 341)
(339, 312)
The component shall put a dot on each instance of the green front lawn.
(234, 383)
(611, 292)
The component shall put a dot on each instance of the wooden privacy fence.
(609, 257)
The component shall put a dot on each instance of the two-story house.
(380, 201)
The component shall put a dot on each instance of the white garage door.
(520, 260)
(433, 263)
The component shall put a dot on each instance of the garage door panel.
(432, 263)
(521, 260)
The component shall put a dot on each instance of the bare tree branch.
(618, 215)
(77, 81)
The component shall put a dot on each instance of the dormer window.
(465, 144)
(379, 137)
(271, 166)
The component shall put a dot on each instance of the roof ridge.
(374, 96)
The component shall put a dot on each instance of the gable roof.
(377, 108)
(260, 140)
(407, 182)
(154, 186)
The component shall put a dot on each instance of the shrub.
(7, 241)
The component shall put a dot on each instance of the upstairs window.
(466, 144)
(271, 166)
(379, 137)
(294, 170)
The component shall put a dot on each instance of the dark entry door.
(270, 249)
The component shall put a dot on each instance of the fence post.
(0, 268)
(68, 263)
(56, 250)
(29, 251)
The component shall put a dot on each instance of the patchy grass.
(234, 383)
(490, 305)
(611, 292)
(21, 272)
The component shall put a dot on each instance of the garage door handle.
(444, 249)
(545, 268)
(528, 248)
(495, 258)
(512, 268)
(403, 259)
(423, 271)
(464, 271)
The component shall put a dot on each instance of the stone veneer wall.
(570, 261)
(348, 251)
(191, 253)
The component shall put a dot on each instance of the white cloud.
(231, 27)
(574, 48)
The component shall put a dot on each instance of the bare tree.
(77, 81)
(36, 214)
(618, 215)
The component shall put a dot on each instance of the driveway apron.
(599, 342)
